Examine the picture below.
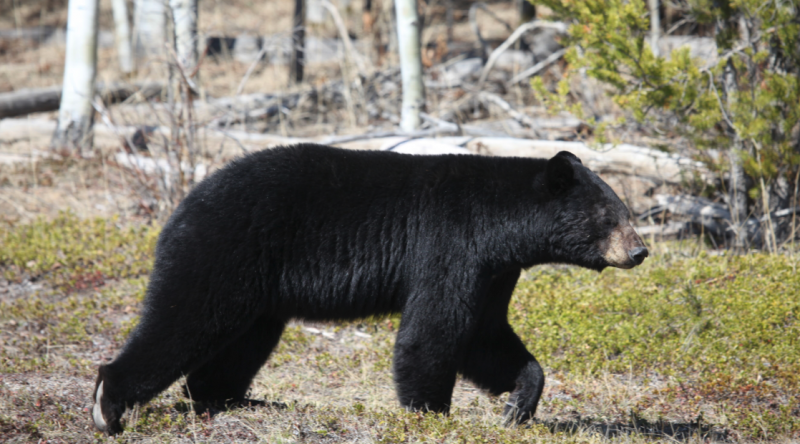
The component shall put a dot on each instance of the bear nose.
(638, 254)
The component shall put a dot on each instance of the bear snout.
(638, 254)
(623, 248)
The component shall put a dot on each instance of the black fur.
(319, 233)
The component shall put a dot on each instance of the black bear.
(319, 233)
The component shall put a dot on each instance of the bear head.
(590, 225)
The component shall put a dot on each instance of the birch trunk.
(75, 114)
(315, 12)
(655, 26)
(150, 29)
(123, 34)
(184, 16)
(410, 63)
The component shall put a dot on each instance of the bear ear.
(570, 156)
(560, 173)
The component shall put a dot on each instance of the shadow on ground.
(656, 429)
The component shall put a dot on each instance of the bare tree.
(123, 35)
(408, 31)
(150, 29)
(184, 17)
(75, 114)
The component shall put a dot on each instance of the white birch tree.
(75, 114)
(410, 63)
(184, 16)
(150, 29)
(123, 35)
(655, 26)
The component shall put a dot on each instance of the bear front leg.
(498, 362)
(496, 359)
(431, 337)
(522, 402)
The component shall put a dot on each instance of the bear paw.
(517, 411)
(105, 417)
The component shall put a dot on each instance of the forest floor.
(694, 346)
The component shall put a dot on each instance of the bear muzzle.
(623, 248)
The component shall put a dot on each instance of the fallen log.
(656, 166)
(26, 101)
(653, 165)
(714, 217)
(669, 230)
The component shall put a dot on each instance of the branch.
(516, 115)
(533, 70)
(525, 27)
(348, 45)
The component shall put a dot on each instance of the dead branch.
(487, 98)
(350, 52)
(521, 30)
(668, 230)
(533, 70)
(26, 101)
(714, 217)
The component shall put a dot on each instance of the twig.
(98, 105)
(381, 134)
(348, 45)
(525, 27)
(225, 133)
(533, 70)
(443, 124)
(719, 101)
(182, 70)
(516, 115)
(253, 65)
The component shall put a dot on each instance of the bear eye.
(609, 222)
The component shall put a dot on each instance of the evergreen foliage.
(758, 42)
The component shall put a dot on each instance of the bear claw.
(97, 410)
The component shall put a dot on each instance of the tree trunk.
(75, 115)
(184, 17)
(123, 34)
(737, 193)
(298, 42)
(150, 29)
(655, 26)
(410, 63)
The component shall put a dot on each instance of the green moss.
(38, 324)
(726, 328)
(75, 253)
(706, 314)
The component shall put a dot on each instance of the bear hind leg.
(224, 379)
(164, 347)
